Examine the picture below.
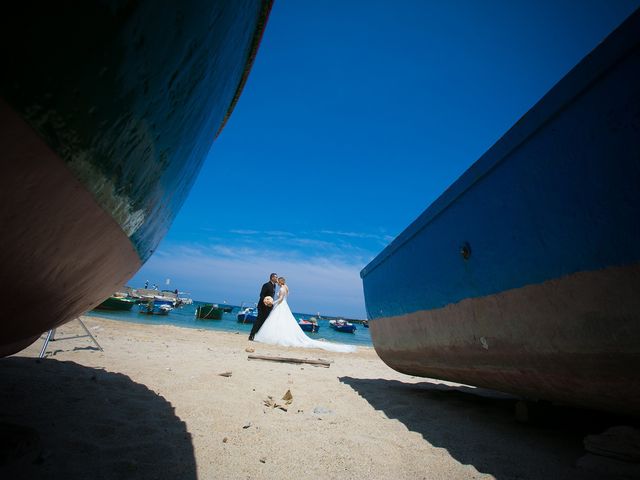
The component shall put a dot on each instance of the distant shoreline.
(96, 315)
(324, 317)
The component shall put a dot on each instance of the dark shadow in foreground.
(478, 427)
(64, 420)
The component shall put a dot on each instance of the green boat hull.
(115, 303)
(209, 312)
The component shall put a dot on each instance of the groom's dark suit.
(267, 290)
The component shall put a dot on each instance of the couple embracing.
(277, 325)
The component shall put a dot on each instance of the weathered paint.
(130, 94)
(61, 253)
(571, 340)
(108, 110)
(555, 199)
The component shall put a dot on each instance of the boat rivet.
(465, 250)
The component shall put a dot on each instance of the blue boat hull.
(309, 327)
(248, 318)
(107, 111)
(344, 328)
(152, 310)
(524, 275)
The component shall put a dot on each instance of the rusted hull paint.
(571, 340)
(61, 253)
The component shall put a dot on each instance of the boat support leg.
(51, 334)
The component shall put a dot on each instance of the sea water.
(185, 316)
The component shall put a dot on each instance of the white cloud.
(383, 238)
(279, 233)
(349, 234)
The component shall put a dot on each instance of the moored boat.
(210, 311)
(308, 326)
(155, 307)
(116, 303)
(248, 315)
(107, 112)
(524, 275)
(183, 298)
(167, 296)
(342, 326)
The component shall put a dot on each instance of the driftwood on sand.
(319, 362)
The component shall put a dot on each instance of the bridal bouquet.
(268, 301)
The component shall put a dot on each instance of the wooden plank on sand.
(319, 362)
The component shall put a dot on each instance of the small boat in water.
(248, 315)
(117, 303)
(309, 326)
(524, 275)
(210, 311)
(155, 307)
(183, 299)
(167, 296)
(342, 326)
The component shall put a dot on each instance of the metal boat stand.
(52, 333)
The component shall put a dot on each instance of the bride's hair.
(283, 280)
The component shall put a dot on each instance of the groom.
(268, 290)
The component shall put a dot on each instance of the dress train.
(281, 328)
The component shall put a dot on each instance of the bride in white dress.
(281, 327)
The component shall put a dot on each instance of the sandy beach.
(154, 404)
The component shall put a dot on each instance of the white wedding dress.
(281, 328)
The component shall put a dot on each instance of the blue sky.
(356, 116)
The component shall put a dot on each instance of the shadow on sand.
(478, 427)
(64, 420)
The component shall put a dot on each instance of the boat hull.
(155, 307)
(61, 243)
(107, 111)
(247, 318)
(524, 275)
(572, 340)
(209, 312)
(309, 327)
(345, 328)
(116, 303)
